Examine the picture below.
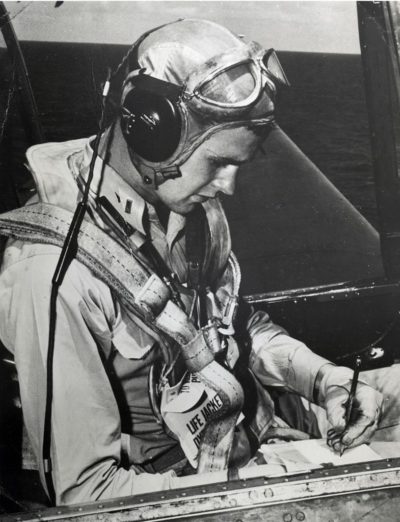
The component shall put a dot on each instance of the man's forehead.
(236, 144)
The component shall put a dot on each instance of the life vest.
(143, 292)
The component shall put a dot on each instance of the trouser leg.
(387, 381)
(299, 413)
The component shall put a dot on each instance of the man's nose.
(225, 181)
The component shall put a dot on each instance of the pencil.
(352, 394)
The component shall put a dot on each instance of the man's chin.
(185, 208)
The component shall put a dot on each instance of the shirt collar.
(107, 182)
(176, 223)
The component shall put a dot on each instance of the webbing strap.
(140, 288)
(149, 298)
(216, 442)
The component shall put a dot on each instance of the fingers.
(361, 432)
(363, 421)
(334, 442)
(358, 433)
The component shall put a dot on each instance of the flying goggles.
(235, 88)
(233, 81)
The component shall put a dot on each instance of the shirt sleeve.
(86, 431)
(280, 360)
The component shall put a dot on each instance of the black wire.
(96, 144)
(46, 448)
(70, 246)
(68, 253)
(373, 344)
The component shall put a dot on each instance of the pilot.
(159, 371)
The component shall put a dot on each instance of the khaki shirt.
(93, 332)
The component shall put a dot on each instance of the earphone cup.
(155, 132)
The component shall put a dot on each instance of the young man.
(155, 374)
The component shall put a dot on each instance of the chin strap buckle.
(172, 172)
(158, 177)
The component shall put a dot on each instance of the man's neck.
(163, 213)
(114, 151)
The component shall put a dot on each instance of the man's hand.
(333, 395)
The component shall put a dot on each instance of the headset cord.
(118, 223)
(68, 253)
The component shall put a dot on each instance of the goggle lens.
(231, 86)
(274, 68)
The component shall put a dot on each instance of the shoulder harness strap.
(143, 292)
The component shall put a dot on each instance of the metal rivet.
(287, 517)
(300, 515)
(268, 493)
(147, 180)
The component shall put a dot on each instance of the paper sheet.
(318, 452)
(310, 454)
